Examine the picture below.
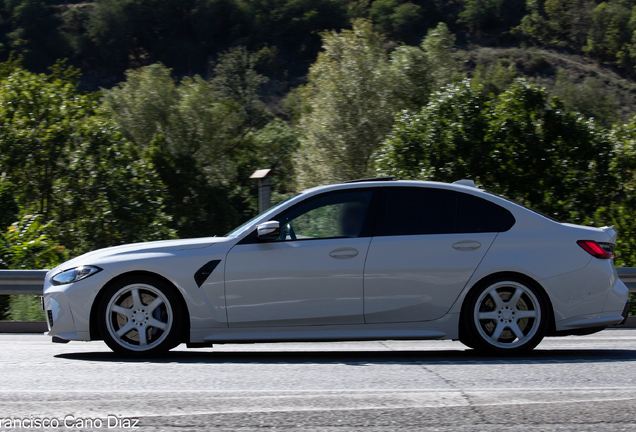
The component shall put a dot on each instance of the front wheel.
(140, 316)
(505, 316)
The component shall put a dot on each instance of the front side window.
(332, 215)
(236, 231)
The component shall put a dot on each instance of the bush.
(27, 245)
(25, 308)
(521, 144)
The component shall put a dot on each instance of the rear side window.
(413, 211)
(477, 215)
(418, 211)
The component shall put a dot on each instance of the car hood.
(136, 248)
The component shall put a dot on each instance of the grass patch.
(25, 308)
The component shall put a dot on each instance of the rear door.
(427, 244)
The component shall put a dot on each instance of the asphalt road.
(572, 384)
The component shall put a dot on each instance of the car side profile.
(377, 259)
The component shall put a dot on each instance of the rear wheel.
(140, 316)
(505, 316)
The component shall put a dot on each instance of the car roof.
(394, 183)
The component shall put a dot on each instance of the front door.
(313, 273)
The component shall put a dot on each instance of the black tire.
(504, 328)
(464, 339)
(139, 331)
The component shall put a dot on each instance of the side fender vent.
(202, 274)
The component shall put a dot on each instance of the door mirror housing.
(268, 231)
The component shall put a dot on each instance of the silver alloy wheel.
(139, 317)
(507, 314)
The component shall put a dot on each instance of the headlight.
(74, 275)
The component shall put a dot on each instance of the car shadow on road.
(360, 358)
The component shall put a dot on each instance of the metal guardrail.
(31, 281)
(21, 281)
(628, 276)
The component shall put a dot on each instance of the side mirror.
(268, 230)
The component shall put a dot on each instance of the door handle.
(343, 253)
(467, 245)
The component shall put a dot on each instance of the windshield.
(270, 210)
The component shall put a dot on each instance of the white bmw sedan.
(365, 260)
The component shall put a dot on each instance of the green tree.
(621, 212)
(552, 159)
(495, 77)
(133, 33)
(443, 60)
(34, 32)
(108, 193)
(8, 203)
(186, 34)
(237, 83)
(480, 15)
(203, 137)
(188, 134)
(563, 23)
(201, 119)
(64, 160)
(293, 26)
(396, 18)
(520, 144)
(197, 206)
(37, 118)
(27, 244)
(351, 103)
(445, 141)
(610, 31)
(354, 89)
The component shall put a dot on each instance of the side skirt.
(445, 327)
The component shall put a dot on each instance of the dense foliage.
(106, 37)
(205, 137)
(353, 90)
(520, 144)
(27, 244)
(62, 159)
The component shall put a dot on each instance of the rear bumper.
(616, 306)
(626, 311)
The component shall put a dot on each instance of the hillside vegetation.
(132, 120)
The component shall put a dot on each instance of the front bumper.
(68, 307)
(59, 318)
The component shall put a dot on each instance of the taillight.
(595, 249)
